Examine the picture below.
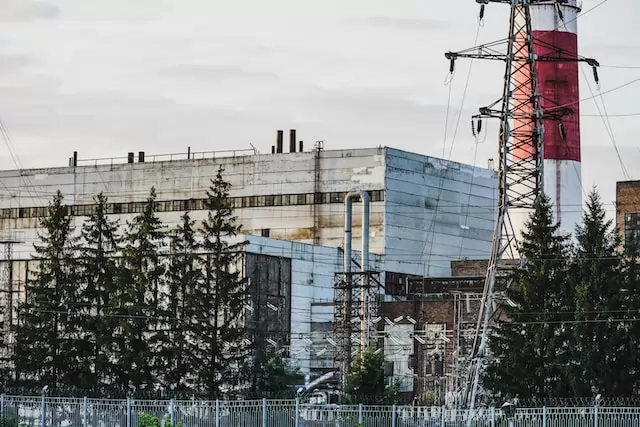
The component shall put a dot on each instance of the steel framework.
(520, 171)
(356, 300)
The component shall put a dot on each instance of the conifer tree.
(366, 382)
(185, 310)
(49, 324)
(274, 379)
(223, 353)
(596, 277)
(99, 272)
(529, 350)
(138, 300)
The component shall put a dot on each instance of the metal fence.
(82, 412)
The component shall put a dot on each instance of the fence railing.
(82, 412)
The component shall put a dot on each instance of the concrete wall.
(436, 211)
(313, 269)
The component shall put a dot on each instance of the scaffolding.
(356, 307)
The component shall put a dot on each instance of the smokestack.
(273, 149)
(280, 141)
(75, 158)
(292, 141)
(189, 153)
(301, 149)
(129, 157)
(141, 157)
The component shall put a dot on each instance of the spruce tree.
(185, 310)
(49, 322)
(223, 355)
(99, 273)
(529, 350)
(596, 275)
(138, 301)
(366, 382)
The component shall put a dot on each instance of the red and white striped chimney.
(555, 26)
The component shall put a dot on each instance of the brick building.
(628, 208)
(428, 336)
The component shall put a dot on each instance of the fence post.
(217, 413)
(394, 421)
(544, 416)
(361, 414)
(43, 411)
(2, 404)
(172, 412)
(297, 422)
(85, 412)
(493, 417)
(265, 420)
(443, 416)
(595, 416)
(128, 412)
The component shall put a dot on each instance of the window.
(301, 199)
(269, 200)
(265, 232)
(631, 226)
(335, 197)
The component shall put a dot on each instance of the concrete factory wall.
(437, 211)
(312, 272)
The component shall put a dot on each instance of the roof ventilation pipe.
(348, 222)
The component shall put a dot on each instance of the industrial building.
(628, 209)
(424, 213)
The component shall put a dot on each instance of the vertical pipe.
(279, 141)
(292, 141)
(394, 421)
(265, 420)
(85, 410)
(43, 413)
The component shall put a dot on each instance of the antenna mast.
(520, 165)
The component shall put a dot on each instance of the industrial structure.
(539, 145)
(628, 210)
(302, 212)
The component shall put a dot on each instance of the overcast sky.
(108, 77)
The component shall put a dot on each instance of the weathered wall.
(627, 203)
(436, 211)
(313, 270)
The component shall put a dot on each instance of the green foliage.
(573, 331)
(99, 271)
(137, 301)
(366, 382)
(49, 322)
(148, 420)
(186, 293)
(221, 358)
(274, 379)
(529, 349)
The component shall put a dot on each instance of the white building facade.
(425, 211)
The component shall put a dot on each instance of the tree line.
(140, 311)
(572, 327)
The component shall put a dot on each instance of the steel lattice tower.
(525, 108)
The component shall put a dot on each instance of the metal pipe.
(348, 222)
